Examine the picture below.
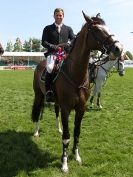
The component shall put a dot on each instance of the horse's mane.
(98, 20)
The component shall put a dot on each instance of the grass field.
(106, 141)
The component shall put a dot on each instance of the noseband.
(119, 60)
(106, 48)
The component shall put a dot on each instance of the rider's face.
(58, 16)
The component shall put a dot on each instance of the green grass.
(106, 140)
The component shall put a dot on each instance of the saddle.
(54, 73)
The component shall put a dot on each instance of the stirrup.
(49, 92)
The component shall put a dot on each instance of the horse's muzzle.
(122, 73)
(117, 50)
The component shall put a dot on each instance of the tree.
(18, 45)
(130, 56)
(9, 46)
(26, 46)
(33, 45)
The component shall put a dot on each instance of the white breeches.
(50, 63)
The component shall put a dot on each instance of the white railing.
(128, 63)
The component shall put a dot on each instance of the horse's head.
(1, 50)
(102, 39)
(119, 65)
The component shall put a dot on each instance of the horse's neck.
(78, 58)
(108, 65)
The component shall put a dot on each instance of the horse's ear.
(98, 15)
(87, 18)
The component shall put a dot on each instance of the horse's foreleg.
(98, 87)
(78, 118)
(56, 106)
(65, 138)
(91, 101)
(98, 101)
(37, 128)
(94, 92)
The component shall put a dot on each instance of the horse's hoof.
(77, 157)
(60, 131)
(79, 161)
(36, 134)
(64, 165)
(100, 107)
(64, 168)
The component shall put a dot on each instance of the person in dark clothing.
(53, 35)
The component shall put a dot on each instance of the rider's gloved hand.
(67, 47)
(54, 47)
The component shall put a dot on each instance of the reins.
(73, 83)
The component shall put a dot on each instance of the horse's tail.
(38, 104)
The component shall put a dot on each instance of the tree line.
(34, 45)
(31, 45)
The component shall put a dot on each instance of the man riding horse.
(52, 36)
(71, 86)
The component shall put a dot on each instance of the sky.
(27, 18)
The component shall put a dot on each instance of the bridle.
(108, 59)
(118, 62)
(106, 48)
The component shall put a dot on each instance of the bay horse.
(1, 49)
(101, 72)
(72, 84)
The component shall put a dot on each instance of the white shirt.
(58, 26)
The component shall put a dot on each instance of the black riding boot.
(48, 87)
